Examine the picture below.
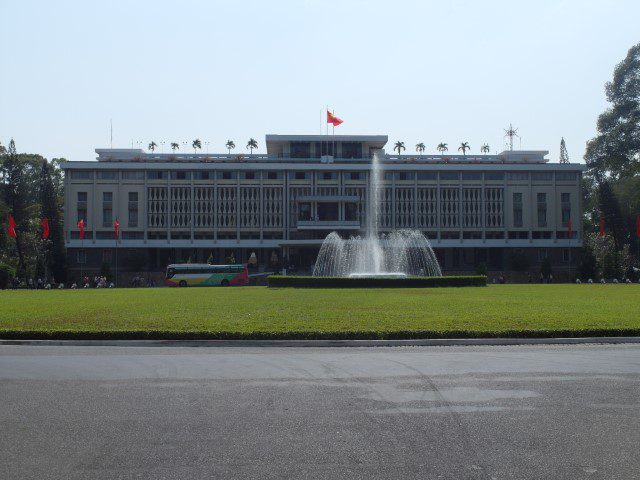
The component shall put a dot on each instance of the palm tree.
(485, 148)
(251, 144)
(196, 144)
(399, 147)
(152, 146)
(174, 146)
(442, 147)
(464, 146)
(230, 145)
(420, 148)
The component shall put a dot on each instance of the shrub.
(6, 274)
(282, 281)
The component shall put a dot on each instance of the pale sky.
(418, 71)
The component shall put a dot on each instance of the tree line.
(31, 189)
(611, 184)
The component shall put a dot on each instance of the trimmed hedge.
(282, 281)
(8, 335)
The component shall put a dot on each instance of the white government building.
(176, 207)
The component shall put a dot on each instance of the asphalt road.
(529, 412)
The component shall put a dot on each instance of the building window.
(225, 175)
(133, 209)
(565, 176)
(107, 209)
(542, 209)
(180, 175)
(203, 175)
(132, 175)
(404, 176)
(274, 175)
(543, 176)
(427, 176)
(471, 175)
(517, 209)
(107, 174)
(355, 176)
(329, 175)
(542, 254)
(156, 175)
(82, 174)
(106, 255)
(494, 176)
(248, 175)
(351, 150)
(82, 256)
(299, 175)
(565, 201)
(304, 212)
(519, 176)
(300, 150)
(449, 175)
(82, 207)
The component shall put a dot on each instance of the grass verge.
(270, 313)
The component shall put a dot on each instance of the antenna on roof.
(511, 132)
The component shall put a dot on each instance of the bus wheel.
(224, 283)
(182, 283)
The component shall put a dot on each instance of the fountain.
(397, 254)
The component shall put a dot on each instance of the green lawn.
(258, 312)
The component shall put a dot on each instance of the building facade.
(198, 207)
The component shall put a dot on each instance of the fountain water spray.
(399, 253)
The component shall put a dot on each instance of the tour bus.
(205, 275)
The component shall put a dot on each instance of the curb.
(433, 342)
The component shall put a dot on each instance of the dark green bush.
(6, 274)
(280, 281)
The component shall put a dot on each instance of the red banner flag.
(12, 227)
(45, 228)
(638, 226)
(570, 229)
(601, 227)
(81, 228)
(332, 119)
(116, 228)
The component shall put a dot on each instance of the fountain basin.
(378, 275)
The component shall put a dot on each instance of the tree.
(174, 146)
(564, 156)
(196, 144)
(152, 146)
(615, 151)
(420, 148)
(399, 146)
(230, 145)
(464, 146)
(53, 248)
(609, 210)
(251, 144)
(16, 192)
(485, 148)
(442, 147)
(606, 255)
